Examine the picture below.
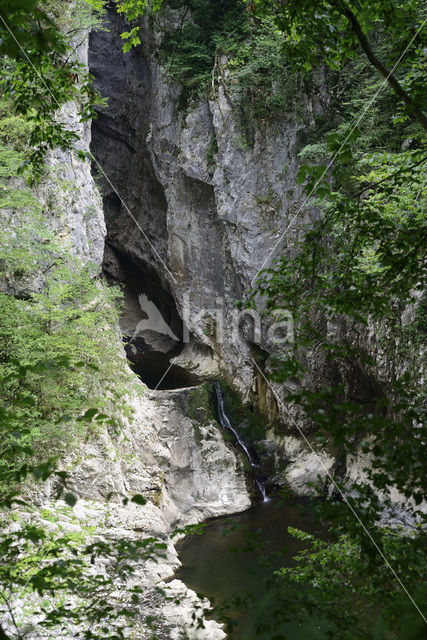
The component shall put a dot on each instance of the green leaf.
(70, 499)
(88, 415)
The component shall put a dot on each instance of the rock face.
(71, 190)
(72, 201)
(171, 452)
(204, 226)
(200, 220)
(170, 449)
(183, 468)
(180, 463)
(68, 201)
(195, 222)
(200, 213)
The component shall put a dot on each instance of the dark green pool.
(236, 555)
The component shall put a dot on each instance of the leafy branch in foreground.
(334, 31)
(61, 375)
(339, 583)
(355, 282)
(40, 71)
(72, 582)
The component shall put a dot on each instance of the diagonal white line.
(134, 219)
(336, 154)
(126, 208)
(128, 211)
(386, 562)
(87, 491)
(163, 376)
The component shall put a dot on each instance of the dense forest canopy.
(361, 263)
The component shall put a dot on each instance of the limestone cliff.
(169, 449)
(202, 223)
(200, 213)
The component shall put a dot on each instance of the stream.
(225, 422)
(236, 555)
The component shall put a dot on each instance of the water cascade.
(225, 422)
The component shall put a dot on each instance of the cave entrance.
(151, 326)
(149, 316)
(156, 371)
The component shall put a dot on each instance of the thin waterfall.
(225, 422)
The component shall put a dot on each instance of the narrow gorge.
(212, 327)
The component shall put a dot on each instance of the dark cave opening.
(156, 371)
(149, 313)
(151, 326)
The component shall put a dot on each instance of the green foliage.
(207, 29)
(62, 311)
(40, 72)
(14, 129)
(374, 238)
(134, 9)
(61, 376)
(267, 47)
(220, 43)
(212, 150)
(262, 80)
(59, 574)
(132, 39)
(338, 575)
(72, 317)
(200, 407)
(246, 419)
(361, 263)
(421, 315)
(338, 31)
(325, 33)
(359, 267)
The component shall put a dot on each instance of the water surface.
(237, 555)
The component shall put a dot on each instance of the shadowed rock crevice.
(149, 311)
(134, 200)
(210, 218)
(156, 371)
(151, 327)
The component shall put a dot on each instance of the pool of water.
(236, 557)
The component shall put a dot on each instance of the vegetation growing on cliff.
(63, 380)
(361, 266)
(219, 45)
(206, 29)
(41, 72)
(53, 307)
(361, 263)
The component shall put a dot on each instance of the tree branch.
(392, 176)
(376, 62)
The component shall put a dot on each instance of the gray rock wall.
(204, 219)
(203, 222)
(180, 464)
